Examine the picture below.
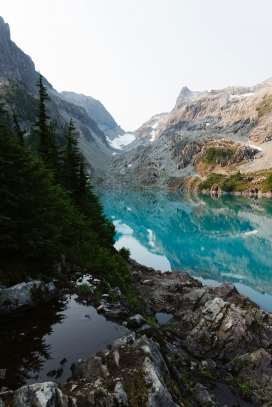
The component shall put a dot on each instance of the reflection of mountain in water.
(225, 238)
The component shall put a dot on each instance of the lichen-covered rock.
(25, 295)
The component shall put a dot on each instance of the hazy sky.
(136, 55)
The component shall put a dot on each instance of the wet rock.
(59, 372)
(51, 373)
(3, 373)
(77, 368)
(25, 295)
(135, 321)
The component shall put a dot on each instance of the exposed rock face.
(97, 112)
(238, 114)
(149, 128)
(19, 77)
(225, 332)
(13, 62)
(143, 372)
(25, 295)
(244, 110)
(224, 153)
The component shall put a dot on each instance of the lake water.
(214, 239)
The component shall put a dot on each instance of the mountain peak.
(4, 29)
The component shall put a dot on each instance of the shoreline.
(215, 335)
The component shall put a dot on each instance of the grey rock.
(120, 394)
(135, 321)
(2, 371)
(136, 277)
(203, 396)
(91, 398)
(41, 395)
(6, 394)
(147, 282)
(25, 295)
(2, 404)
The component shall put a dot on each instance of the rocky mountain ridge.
(97, 112)
(219, 123)
(18, 79)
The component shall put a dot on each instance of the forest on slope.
(50, 219)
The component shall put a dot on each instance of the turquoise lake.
(214, 239)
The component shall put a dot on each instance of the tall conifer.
(42, 122)
(18, 131)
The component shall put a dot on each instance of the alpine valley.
(81, 322)
(217, 140)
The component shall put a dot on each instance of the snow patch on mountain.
(121, 141)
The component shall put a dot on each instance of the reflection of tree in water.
(22, 347)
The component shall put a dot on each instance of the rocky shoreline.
(216, 349)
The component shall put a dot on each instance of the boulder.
(135, 321)
(25, 295)
(42, 395)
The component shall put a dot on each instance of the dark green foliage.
(215, 153)
(72, 163)
(42, 123)
(229, 184)
(41, 220)
(22, 102)
(125, 253)
(267, 185)
(213, 179)
(31, 207)
(19, 132)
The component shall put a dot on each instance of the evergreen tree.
(40, 220)
(19, 133)
(71, 163)
(53, 154)
(42, 123)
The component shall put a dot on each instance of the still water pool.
(34, 342)
(214, 239)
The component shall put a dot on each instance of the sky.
(136, 55)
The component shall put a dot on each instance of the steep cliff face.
(97, 112)
(18, 89)
(14, 63)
